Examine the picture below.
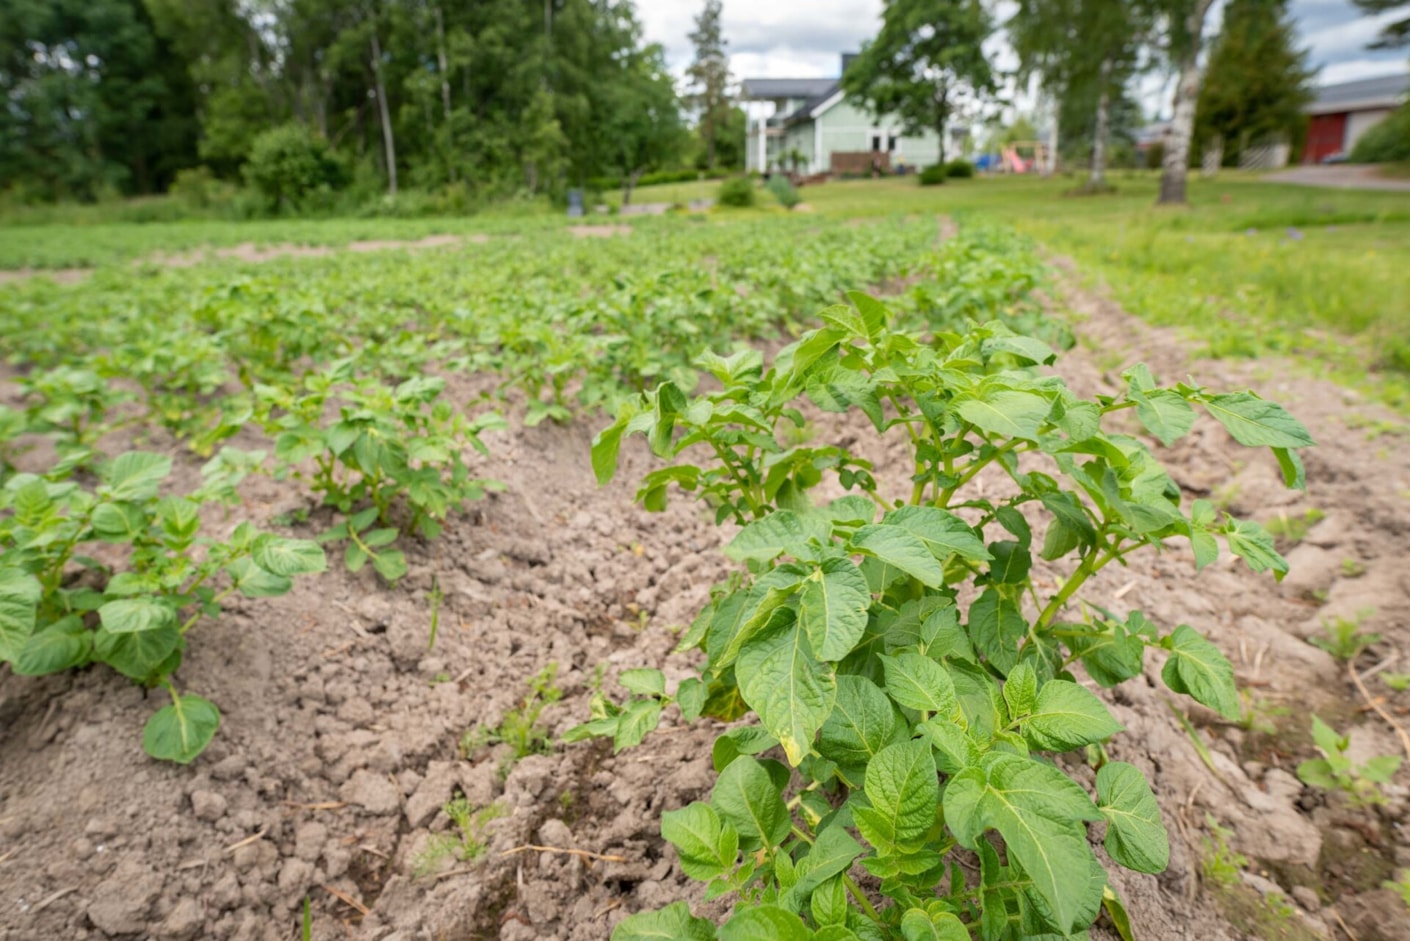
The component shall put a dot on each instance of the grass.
(1249, 269)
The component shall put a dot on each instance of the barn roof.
(1383, 91)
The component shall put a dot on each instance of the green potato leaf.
(1067, 716)
(1135, 836)
(1197, 669)
(708, 846)
(746, 797)
(181, 731)
(672, 923)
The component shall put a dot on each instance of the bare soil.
(343, 726)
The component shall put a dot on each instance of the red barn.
(1342, 113)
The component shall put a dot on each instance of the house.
(1340, 114)
(813, 123)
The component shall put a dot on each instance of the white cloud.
(805, 38)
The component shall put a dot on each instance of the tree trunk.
(942, 116)
(441, 63)
(1182, 123)
(389, 144)
(710, 138)
(629, 184)
(1054, 138)
(444, 70)
(1098, 177)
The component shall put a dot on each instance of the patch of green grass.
(1291, 530)
(519, 729)
(465, 843)
(1343, 637)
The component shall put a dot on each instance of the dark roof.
(1384, 91)
(770, 89)
(802, 112)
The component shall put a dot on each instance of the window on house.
(891, 144)
(875, 143)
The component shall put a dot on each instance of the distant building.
(814, 125)
(1340, 114)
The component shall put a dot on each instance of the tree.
(709, 76)
(1184, 28)
(1257, 81)
(641, 122)
(94, 101)
(1395, 34)
(1085, 53)
(927, 62)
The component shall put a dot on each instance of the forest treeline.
(331, 105)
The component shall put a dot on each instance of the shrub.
(197, 188)
(1387, 142)
(737, 191)
(959, 169)
(784, 191)
(1155, 156)
(289, 164)
(934, 175)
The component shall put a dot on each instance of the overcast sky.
(804, 38)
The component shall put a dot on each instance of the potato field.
(732, 576)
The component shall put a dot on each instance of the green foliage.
(1343, 637)
(1334, 771)
(710, 79)
(737, 191)
(883, 643)
(519, 729)
(927, 58)
(1257, 81)
(466, 843)
(1386, 142)
(392, 449)
(784, 191)
(135, 611)
(290, 165)
(959, 169)
(1400, 886)
(1291, 530)
(934, 175)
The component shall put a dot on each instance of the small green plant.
(1352, 568)
(1399, 682)
(1220, 863)
(900, 654)
(1343, 637)
(1334, 771)
(519, 729)
(959, 169)
(738, 192)
(306, 922)
(1400, 885)
(393, 450)
(434, 597)
(1291, 530)
(62, 609)
(784, 191)
(465, 843)
(1261, 714)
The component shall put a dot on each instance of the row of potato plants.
(908, 675)
(379, 446)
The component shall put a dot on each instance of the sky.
(804, 38)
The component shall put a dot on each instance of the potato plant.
(901, 656)
(120, 574)
(391, 448)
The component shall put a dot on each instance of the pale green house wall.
(847, 128)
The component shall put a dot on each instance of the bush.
(959, 169)
(934, 175)
(290, 164)
(197, 188)
(1387, 142)
(784, 191)
(737, 191)
(1155, 156)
